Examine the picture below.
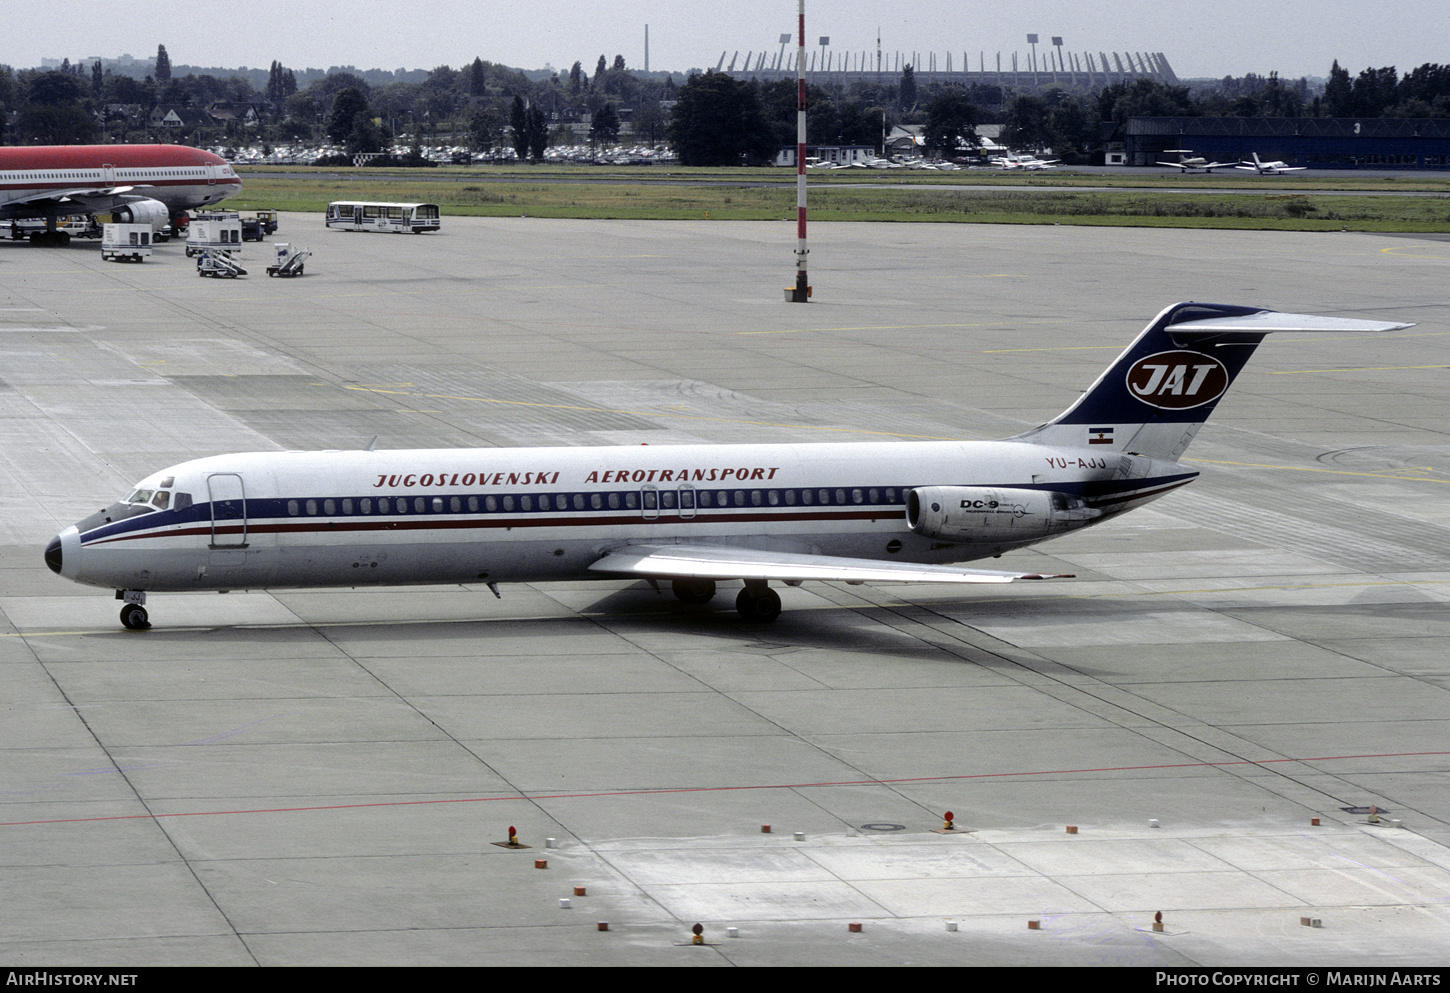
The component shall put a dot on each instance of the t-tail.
(1153, 399)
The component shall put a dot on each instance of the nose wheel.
(134, 618)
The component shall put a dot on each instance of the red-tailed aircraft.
(147, 184)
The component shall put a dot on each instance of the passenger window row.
(648, 499)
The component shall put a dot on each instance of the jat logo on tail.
(1177, 380)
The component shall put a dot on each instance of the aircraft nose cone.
(52, 555)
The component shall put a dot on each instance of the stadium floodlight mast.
(801, 292)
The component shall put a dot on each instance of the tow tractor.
(289, 260)
(258, 224)
(218, 265)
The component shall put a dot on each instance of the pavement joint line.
(586, 795)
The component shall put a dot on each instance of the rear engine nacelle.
(152, 212)
(991, 513)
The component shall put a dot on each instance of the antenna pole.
(801, 293)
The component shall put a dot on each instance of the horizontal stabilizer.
(726, 562)
(1268, 321)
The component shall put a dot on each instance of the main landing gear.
(133, 614)
(693, 590)
(757, 603)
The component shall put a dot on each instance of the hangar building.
(1315, 142)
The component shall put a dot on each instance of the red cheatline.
(530, 797)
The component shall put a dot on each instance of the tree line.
(720, 120)
(709, 117)
(473, 104)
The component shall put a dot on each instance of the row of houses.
(220, 113)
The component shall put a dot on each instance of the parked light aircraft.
(690, 514)
(1268, 168)
(1031, 163)
(140, 183)
(1188, 162)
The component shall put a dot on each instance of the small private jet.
(691, 515)
(1188, 162)
(1268, 168)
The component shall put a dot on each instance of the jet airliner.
(148, 184)
(693, 515)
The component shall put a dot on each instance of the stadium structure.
(1020, 71)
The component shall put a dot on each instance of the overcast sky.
(1200, 38)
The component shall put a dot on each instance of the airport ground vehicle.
(126, 242)
(290, 261)
(214, 231)
(258, 225)
(66, 228)
(219, 265)
(357, 215)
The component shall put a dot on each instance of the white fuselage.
(39, 180)
(314, 519)
(179, 188)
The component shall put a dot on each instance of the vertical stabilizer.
(1156, 395)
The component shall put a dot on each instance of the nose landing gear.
(133, 614)
(133, 617)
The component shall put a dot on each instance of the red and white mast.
(801, 292)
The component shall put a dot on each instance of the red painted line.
(723, 789)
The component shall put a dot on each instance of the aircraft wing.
(93, 198)
(728, 562)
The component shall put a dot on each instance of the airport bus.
(357, 215)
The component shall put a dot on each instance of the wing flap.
(722, 562)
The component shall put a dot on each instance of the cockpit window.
(140, 496)
(161, 500)
(168, 482)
